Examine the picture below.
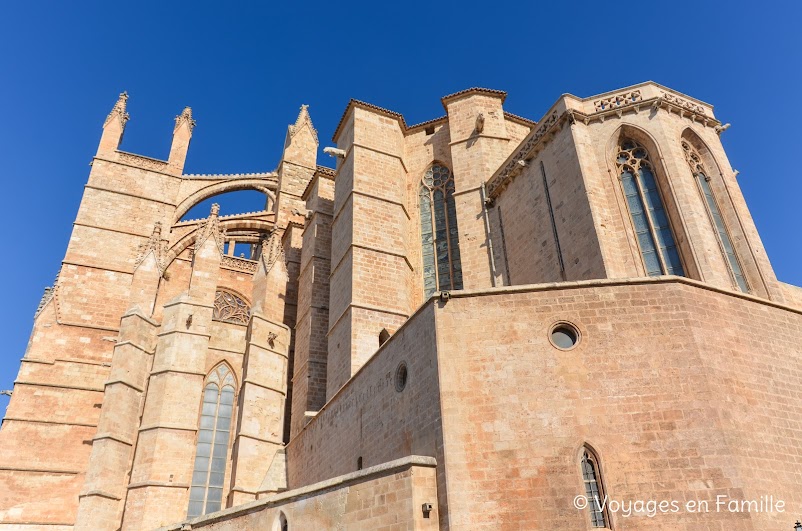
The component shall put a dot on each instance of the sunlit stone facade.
(461, 324)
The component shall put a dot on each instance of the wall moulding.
(611, 107)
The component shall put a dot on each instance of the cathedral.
(481, 321)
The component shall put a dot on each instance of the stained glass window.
(701, 175)
(652, 228)
(593, 489)
(208, 474)
(442, 268)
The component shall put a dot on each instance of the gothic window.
(594, 492)
(702, 178)
(206, 491)
(442, 268)
(230, 308)
(649, 217)
(281, 524)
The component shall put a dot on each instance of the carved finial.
(155, 245)
(215, 210)
(303, 117)
(118, 111)
(184, 117)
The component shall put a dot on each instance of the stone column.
(260, 423)
(371, 272)
(311, 345)
(162, 469)
(478, 147)
(100, 503)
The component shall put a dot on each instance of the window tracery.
(650, 219)
(209, 470)
(703, 179)
(230, 308)
(442, 267)
(594, 491)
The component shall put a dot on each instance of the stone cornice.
(283, 498)
(614, 106)
(472, 91)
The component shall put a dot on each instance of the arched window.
(280, 524)
(594, 491)
(655, 239)
(208, 474)
(703, 179)
(442, 268)
(230, 308)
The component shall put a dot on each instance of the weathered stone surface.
(357, 398)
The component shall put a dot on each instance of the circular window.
(401, 377)
(564, 336)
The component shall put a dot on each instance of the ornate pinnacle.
(303, 117)
(118, 110)
(215, 210)
(184, 117)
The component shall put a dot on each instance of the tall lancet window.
(442, 268)
(702, 177)
(208, 474)
(594, 490)
(649, 217)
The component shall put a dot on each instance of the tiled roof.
(476, 90)
(358, 103)
(445, 100)
(520, 119)
(427, 122)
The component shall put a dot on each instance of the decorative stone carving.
(618, 100)
(142, 162)
(680, 102)
(272, 251)
(239, 264)
(230, 308)
(694, 160)
(154, 245)
(118, 111)
(211, 227)
(50, 292)
(480, 123)
(184, 118)
(303, 118)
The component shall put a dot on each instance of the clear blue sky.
(246, 70)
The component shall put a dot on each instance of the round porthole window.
(564, 336)
(401, 377)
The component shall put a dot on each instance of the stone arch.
(216, 414)
(722, 194)
(260, 185)
(701, 146)
(666, 187)
(435, 191)
(591, 472)
(280, 523)
(232, 224)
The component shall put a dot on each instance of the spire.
(184, 118)
(118, 111)
(211, 228)
(181, 137)
(303, 118)
(153, 245)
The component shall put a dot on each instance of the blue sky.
(246, 68)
